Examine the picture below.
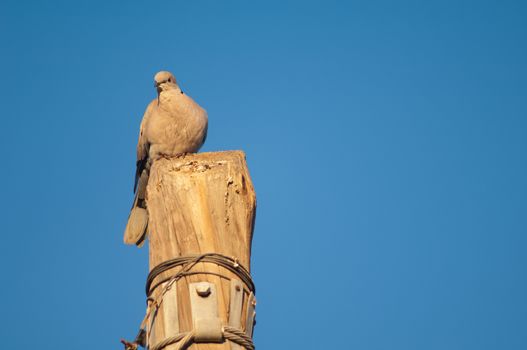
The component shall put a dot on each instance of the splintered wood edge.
(185, 162)
(200, 162)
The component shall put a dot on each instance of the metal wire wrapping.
(190, 261)
(187, 263)
(187, 339)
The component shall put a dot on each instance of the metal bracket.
(235, 308)
(236, 303)
(208, 330)
(251, 314)
(170, 311)
(204, 305)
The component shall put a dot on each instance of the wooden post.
(200, 203)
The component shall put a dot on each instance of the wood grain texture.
(200, 203)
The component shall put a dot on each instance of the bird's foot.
(181, 155)
(176, 156)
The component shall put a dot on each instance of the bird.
(173, 125)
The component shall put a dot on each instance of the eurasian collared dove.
(173, 124)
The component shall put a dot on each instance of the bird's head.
(164, 80)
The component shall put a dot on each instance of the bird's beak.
(158, 89)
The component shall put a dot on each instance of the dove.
(173, 125)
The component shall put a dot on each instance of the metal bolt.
(203, 290)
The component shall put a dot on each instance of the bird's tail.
(137, 226)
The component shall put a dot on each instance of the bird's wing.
(142, 146)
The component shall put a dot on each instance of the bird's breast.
(177, 125)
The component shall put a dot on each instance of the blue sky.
(386, 141)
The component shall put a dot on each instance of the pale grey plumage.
(173, 124)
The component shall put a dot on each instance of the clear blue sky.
(387, 142)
